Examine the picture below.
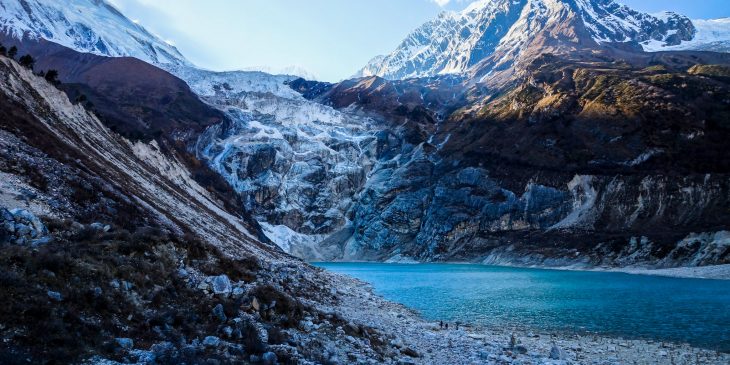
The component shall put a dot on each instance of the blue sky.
(330, 38)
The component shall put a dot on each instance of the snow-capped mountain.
(504, 30)
(91, 26)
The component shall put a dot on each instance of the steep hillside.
(110, 250)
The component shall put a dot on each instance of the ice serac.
(91, 26)
(500, 33)
(296, 163)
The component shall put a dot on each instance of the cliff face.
(580, 163)
(591, 220)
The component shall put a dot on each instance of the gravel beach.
(427, 343)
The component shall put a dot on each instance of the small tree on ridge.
(27, 61)
(52, 77)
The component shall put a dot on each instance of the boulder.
(211, 341)
(409, 352)
(55, 296)
(556, 353)
(182, 272)
(21, 227)
(269, 358)
(125, 343)
(219, 313)
(41, 241)
(221, 285)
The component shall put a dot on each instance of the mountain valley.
(172, 210)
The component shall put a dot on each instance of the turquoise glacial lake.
(693, 311)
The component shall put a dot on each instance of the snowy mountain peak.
(454, 42)
(91, 26)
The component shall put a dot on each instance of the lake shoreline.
(712, 272)
(475, 344)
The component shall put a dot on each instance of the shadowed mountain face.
(133, 97)
(140, 102)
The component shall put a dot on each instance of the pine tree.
(13, 52)
(27, 61)
(52, 77)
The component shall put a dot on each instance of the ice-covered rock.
(297, 163)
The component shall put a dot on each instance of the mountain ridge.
(488, 32)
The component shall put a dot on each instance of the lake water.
(614, 304)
